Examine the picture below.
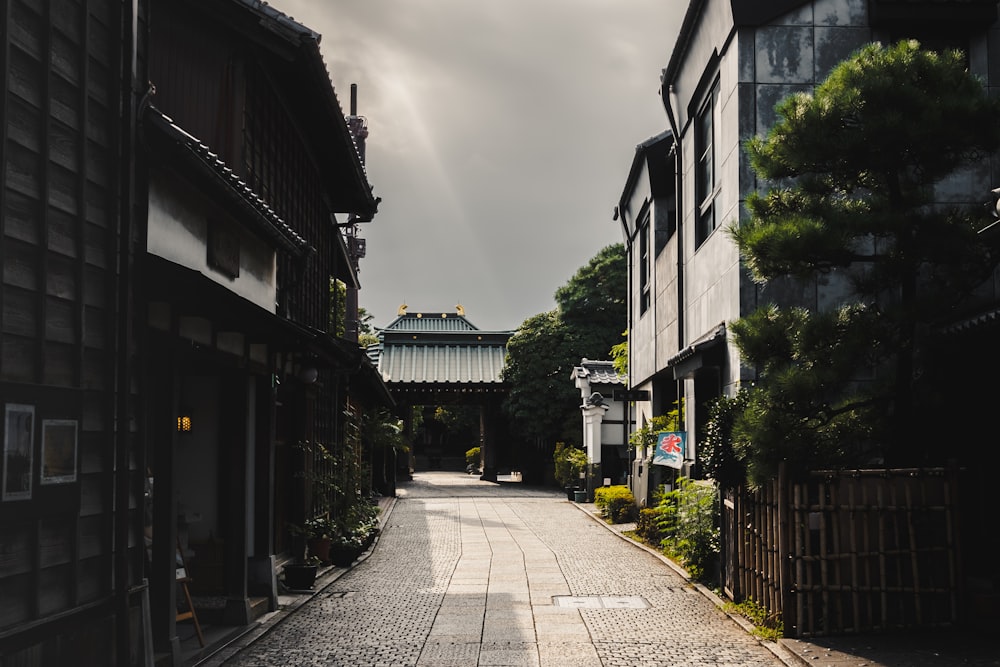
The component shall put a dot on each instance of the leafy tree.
(543, 403)
(854, 167)
(594, 301)
(619, 355)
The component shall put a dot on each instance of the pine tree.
(853, 169)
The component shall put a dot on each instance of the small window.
(707, 129)
(644, 268)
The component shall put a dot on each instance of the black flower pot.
(343, 556)
(299, 576)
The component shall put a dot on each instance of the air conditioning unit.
(356, 246)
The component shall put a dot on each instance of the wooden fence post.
(785, 584)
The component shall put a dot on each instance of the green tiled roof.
(439, 348)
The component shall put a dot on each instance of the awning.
(703, 353)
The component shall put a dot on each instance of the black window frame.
(706, 133)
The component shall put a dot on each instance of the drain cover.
(599, 602)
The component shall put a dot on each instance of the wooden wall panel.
(93, 578)
(22, 171)
(18, 355)
(56, 589)
(57, 538)
(60, 276)
(59, 364)
(20, 312)
(18, 606)
(20, 265)
(58, 135)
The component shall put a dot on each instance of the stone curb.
(779, 651)
(270, 620)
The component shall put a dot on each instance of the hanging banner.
(670, 448)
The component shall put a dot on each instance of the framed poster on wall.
(18, 440)
(58, 451)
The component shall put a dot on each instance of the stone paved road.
(469, 573)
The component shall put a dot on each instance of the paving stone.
(465, 573)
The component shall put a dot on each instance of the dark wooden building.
(177, 178)
(70, 569)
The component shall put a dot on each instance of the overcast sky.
(501, 135)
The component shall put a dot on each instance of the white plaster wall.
(666, 339)
(178, 231)
(642, 327)
(712, 271)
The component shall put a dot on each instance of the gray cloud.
(501, 136)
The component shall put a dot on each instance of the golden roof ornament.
(402, 309)
(460, 310)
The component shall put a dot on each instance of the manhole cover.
(599, 602)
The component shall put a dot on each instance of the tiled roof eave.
(188, 152)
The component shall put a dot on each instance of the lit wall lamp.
(184, 423)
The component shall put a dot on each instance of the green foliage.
(569, 462)
(617, 504)
(594, 299)
(461, 422)
(382, 429)
(619, 355)
(365, 322)
(767, 626)
(647, 526)
(689, 519)
(472, 457)
(719, 461)
(338, 308)
(644, 438)
(852, 169)
(542, 402)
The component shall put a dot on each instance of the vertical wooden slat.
(898, 516)
(824, 570)
(83, 62)
(869, 520)
(4, 115)
(42, 250)
(914, 554)
(853, 546)
(801, 548)
(785, 555)
(883, 595)
(836, 562)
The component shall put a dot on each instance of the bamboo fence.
(846, 551)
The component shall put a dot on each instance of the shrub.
(689, 521)
(472, 457)
(617, 504)
(647, 526)
(568, 463)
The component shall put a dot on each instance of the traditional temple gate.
(431, 359)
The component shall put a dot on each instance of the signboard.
(638, 395)
(670, 448)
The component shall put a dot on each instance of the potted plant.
(472, 460)
(569, 462)
(301, 575)
(314, 537)
(354, 532)
(317, 533)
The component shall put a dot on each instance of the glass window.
(707, 129)
(644, 281)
